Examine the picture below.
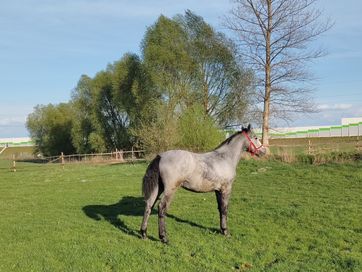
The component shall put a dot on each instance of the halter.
(252, 148)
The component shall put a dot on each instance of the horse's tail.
(152, 179)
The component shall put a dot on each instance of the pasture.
(17, 151)
(282, 217)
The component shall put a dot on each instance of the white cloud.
(329, 114)
(17, 120)
(343, 54)
(13, 118)
(334, 107)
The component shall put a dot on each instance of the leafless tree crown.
(277, 36)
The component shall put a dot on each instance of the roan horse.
(206, 172)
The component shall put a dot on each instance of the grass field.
(282, 217)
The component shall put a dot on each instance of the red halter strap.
(252, 148)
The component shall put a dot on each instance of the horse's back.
(177, 165)
(200, 172)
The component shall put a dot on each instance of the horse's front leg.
(222, 198)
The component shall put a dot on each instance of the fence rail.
(316, 145)
(119, 156)
(281, 146)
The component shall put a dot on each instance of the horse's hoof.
(164, 240)
(225, 232)
(143, 234)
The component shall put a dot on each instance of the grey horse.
(205, 172)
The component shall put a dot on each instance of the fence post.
(121, 155)
(14, 164)
(309, 147)
(62, 159)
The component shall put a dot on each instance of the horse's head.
(254, 146)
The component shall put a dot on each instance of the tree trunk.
(266, 112)
(206, 97)
(265, 130)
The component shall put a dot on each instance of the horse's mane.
(228, 140)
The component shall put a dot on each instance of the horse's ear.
(249, 127)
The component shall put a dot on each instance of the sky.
(45, 46)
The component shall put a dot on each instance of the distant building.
(23, 141)
(348, 121)
(348, 127)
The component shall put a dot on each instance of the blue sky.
(45, 47)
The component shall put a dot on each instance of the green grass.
(282, 217)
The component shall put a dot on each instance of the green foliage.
(133, 89)
(50, 127)
(151, 102)
(111, 104)
(197, 130)
(111, 118)
(281, 218)
(166, 57)
(191, 63)
(83, 121)
(97, 143)
(159, 133)
(222, 84)
(193, 130)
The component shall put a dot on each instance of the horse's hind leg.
(162, 210)
(150, 202)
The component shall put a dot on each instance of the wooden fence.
(118, 156)
(317, 145)
(288, 147)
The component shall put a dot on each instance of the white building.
(348, 127)
(23, 141)
(348, 121)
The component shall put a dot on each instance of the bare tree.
(276, 39)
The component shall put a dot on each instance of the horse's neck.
(233, 150)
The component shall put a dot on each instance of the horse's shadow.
(128, 206)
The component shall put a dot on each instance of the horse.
(197, 172)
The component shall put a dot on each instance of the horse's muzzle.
(262, 151)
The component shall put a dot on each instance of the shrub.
(197, 131)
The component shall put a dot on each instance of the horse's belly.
(200, 186)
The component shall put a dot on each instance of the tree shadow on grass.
(129, 206)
